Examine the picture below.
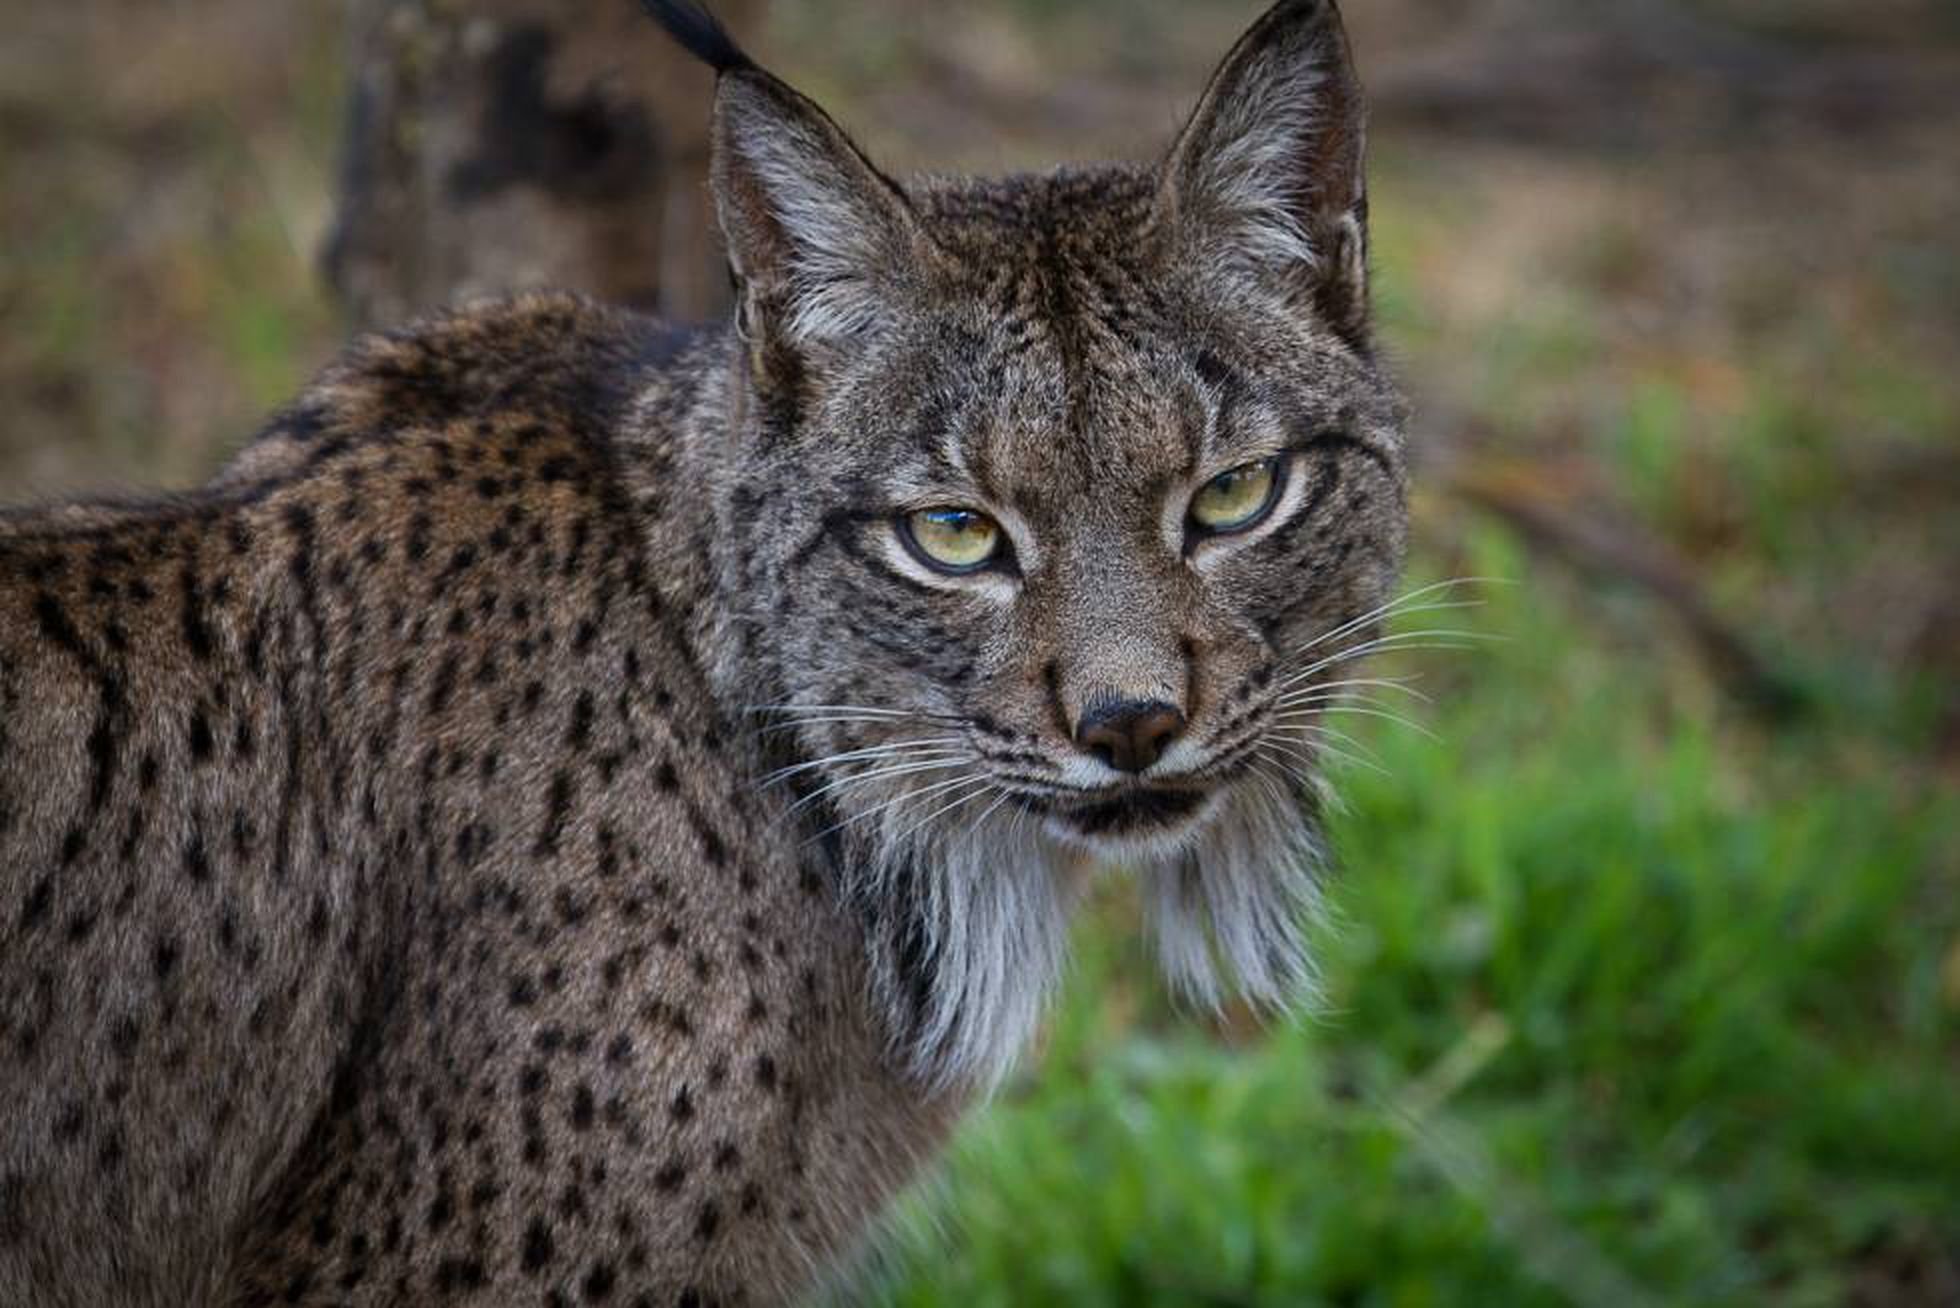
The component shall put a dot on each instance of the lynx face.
(1073, 522)
(1050, 487)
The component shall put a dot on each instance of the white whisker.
(1401, 641)
(975, 825)
(986, 784)
(1384, 683)
(1306, 702)
(1320, 747)
(797, 724)
(1298, 750)
(876, 774)
(1362, 710)
(1419, 633)
(1301, 774)
(1274, 790)
(877, 809)
(867, 709)
(1335, 733)
(1400, 606)
(929, 746)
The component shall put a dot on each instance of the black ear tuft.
(700, 33)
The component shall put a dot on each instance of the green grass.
(1623, 1007)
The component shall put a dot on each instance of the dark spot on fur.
(34, 909)
(707, 1221)
(599, 1282)
(539, 1248)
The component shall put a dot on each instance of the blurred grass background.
(1637, 992)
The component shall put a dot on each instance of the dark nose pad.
(1131, 734)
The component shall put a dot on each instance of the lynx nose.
(1129, 734)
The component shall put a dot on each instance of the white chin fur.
(991, 904)
(1229, 894)
(1232, 914)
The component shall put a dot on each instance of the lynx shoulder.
(577, 808)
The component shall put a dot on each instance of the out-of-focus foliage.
(1634, 995)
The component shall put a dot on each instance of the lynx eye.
(952, 540)
(1235, 500)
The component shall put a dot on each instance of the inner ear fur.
(824, 246)
(1267, 178)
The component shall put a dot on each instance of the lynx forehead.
(576, 809)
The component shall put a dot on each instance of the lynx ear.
(1267, 176)
(823, 244)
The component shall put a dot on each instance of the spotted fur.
(528, 832)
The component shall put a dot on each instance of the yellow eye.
(1233, 501)
(953, 540)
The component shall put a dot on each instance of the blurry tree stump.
(495, 145)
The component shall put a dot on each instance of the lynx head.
(1042, 496)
